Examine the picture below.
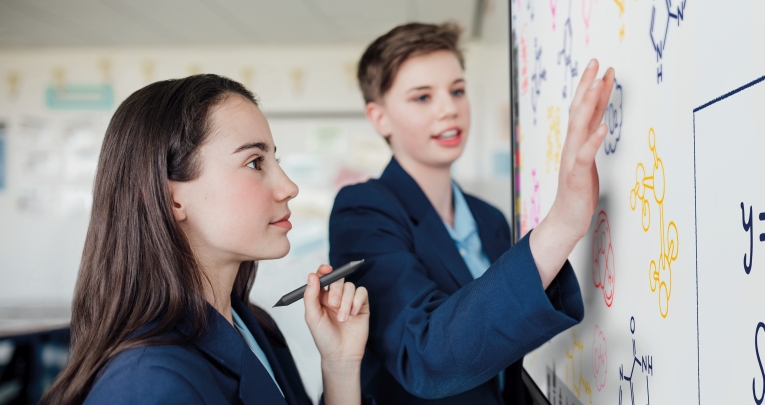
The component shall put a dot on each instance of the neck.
(436, 183)
(218, 286)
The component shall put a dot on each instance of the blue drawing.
(660, 29)
(644, 366)
(536, 79)
(570, 70)
(530, 9)
(614, 118)
(80, 97)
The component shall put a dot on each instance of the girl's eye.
(458, 92)
(255, 164)
(423, 98)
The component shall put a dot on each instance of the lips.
(450, 137)
(284, 222)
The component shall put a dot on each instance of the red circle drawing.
(603, 268)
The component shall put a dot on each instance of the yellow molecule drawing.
(651, 187)
(578, 382)
(554, 143)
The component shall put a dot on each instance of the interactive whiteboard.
(673, 267)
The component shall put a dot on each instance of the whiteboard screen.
(673, 265)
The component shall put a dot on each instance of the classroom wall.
(56, 103)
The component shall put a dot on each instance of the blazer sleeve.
(435, 344)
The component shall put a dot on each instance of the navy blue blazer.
(435, 333)
(218, 368)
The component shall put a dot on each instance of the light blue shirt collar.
(465, 235)
(254, 346)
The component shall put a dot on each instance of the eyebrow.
(428, 87)
(253, 145)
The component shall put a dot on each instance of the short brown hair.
(382, 59)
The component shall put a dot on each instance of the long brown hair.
(138, 276)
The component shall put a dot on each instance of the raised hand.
(338, 319)
(577, 196)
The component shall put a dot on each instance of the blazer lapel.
(223, 344)
(428, 225)
(265, 345)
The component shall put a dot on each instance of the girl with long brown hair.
(188, 197)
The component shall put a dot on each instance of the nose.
(447, 108)
(286, 189)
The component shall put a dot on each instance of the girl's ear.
(377, 115)
(179, 208)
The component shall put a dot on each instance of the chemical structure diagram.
(603, 268)
(553, 9)
(587, 17)
(536, 79)
(579, 384)
(642, 364)
(654, 185)
(614, 118)
(570, 67)
(620, 5)
(554, 143)
(660, 19)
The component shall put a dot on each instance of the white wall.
(51, 154)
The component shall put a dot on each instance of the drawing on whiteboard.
(531, 218)
(660, 20)
(599, 358)
(587, 17)
(570, 67)
(644, 366)
(578, 384)
(536, 79)
(603, 268)
(553, 9)
(530, 9)
(554, 143)
(614, 118)
(524, 65)
(749, 227)
(659, 274)
(758, 401)
(620, 4)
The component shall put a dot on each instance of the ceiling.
(65, 23)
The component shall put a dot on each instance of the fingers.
(581, 117)
(605, 96)
(346, 303)
(585, 82)
(586, 154)
(360, 301)
(311, 300)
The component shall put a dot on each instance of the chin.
(272, 251)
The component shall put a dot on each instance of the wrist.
(345, 368)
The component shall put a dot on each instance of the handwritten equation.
(650, 186)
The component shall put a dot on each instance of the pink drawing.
(530, 220)
(553, 9)
(587, 6)
(603, 268)
(599, 359)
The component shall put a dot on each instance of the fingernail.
(334, 301)
(310, 280)
(354, 311)
(595, 84)
(342, 317)
(591, 64)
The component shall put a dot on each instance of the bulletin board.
(672, 267)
